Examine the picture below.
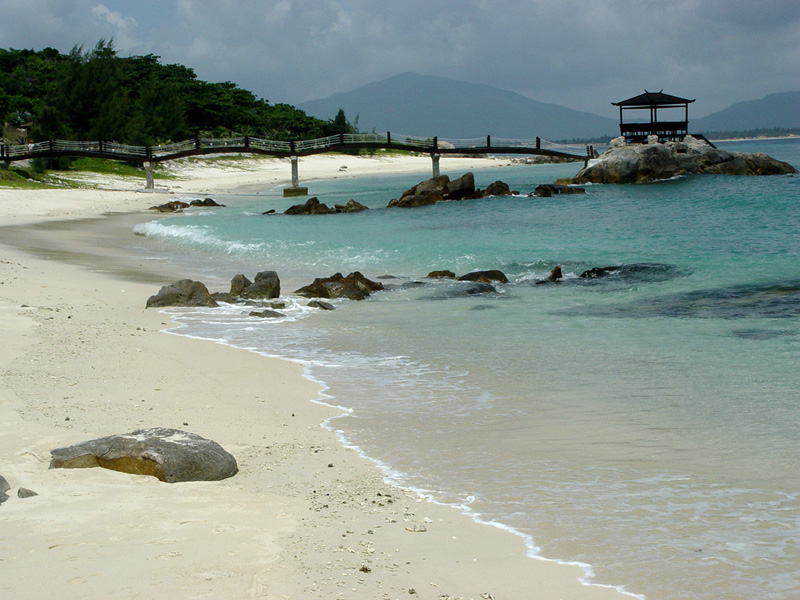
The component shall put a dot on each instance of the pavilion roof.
(652, 99)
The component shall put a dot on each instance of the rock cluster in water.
(314, 207)
(642, 163)
(441, 188)
(179, 205)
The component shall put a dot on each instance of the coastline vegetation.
(137, 100)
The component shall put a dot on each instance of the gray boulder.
(463, 187)
(4, 487)
(185, 292)
(266, 285)
(170, 455)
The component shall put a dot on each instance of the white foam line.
(394, 477)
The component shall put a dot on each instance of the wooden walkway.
(252, 145)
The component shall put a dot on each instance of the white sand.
(81, 358)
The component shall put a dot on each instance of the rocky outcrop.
(641, 163)
(312, 207)
(170, 455)
(351, 206)
(355, 287)
(439, 189)
(185, 292)
(485, 276)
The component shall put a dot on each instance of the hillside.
(774, 111)
(428, 105)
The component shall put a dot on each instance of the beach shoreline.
(305, 516)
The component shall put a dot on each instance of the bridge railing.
(209, 145)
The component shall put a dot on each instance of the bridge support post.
(435, 159)
(295, 189)
(148, 176)
(295, 173)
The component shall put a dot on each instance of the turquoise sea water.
(646, 424)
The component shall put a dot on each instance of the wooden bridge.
(148, 155)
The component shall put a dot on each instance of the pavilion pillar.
(148, 176)
(435, 159)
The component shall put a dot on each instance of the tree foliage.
(98, 95)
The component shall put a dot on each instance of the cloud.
(580, 54)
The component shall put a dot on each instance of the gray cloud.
(577, 53)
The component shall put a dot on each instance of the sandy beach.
(304, 518)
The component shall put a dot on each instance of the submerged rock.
(170, 455)
(266, 314)
(546, 190)
(441, 275)
(556, 275)
(641, 163)
(185, 292)
(321, 305)
(485, 276)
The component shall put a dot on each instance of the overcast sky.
(583, 54)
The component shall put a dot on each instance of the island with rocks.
(654, 161)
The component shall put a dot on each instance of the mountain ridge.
(414, 104)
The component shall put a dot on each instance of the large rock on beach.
(355, 287)
(185, 292)
(642, 163)
(4, 487)
(170, 455)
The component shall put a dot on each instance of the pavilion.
(653, 101)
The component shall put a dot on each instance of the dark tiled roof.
(652, 99)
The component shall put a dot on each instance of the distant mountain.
(775, 110)
(413, 104)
